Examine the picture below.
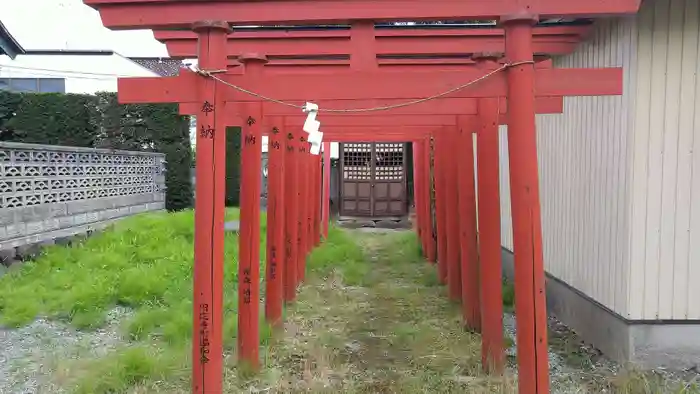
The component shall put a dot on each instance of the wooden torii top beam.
(443, 106)
(316, 66)
(170, 14)
(360, 85)
(554, 40)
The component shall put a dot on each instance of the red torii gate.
(522, 80)
(178, 14)
(459, 253)
(384, 75)
(450, 250)
(280, 44)
(458, 265)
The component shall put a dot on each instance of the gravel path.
(29, 355)
(564, 378)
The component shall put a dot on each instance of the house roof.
(8, 45)
(165, 67)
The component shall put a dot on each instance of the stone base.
(646, 344)
(383, 223)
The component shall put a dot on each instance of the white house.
(620, 190)
(67, 71)
(72, 52)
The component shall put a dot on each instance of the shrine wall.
(619, 180)
(49, 193)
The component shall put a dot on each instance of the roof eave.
(8, 45)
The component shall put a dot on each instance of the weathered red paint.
(342, 35)
(556, 40)
(302, 205)
(491, 296)
(309, 202)
(156, 14)
(467, 227)
(489, 209)
(425, 200)
(435, 108)
(530, 304)
(326, 198)
(207, 353)
(276, 208)
(430, 183)
(454, 272)
(359, 85)
(318, 66)
(439, 172)
(291, 166)
(318, 190)
(249, 238)
(417, 193)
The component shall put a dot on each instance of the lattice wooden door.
(373, 180)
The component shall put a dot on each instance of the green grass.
(370, 319)
(339, 252)
(144, 263)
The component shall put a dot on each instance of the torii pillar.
(325, 204)
(451, 214)
(207, 349)
(291, 244)
(317, 200)
(530, 303)
(430, 207)
(469, 259)
(303, 206)
(275, 268)
(489, 214)
(439, 171)
(418, 196)
(249, 240)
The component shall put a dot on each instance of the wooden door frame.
(372, 182)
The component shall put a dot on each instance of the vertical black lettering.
(206, 132)
(204, 333)
(207, 108)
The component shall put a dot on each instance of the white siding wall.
(619, 180)
(83, 73)
(665, 167)
(583, 183)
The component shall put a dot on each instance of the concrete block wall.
(53, 192)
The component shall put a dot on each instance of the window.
(39, 85)
(24, 84)
(52, 85)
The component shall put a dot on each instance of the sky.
(69, 24)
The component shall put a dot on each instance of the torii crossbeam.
(387, 42)
(169, 14)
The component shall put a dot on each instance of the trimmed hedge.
(99, 121)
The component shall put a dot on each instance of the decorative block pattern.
(46, 191)
(34, 175)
